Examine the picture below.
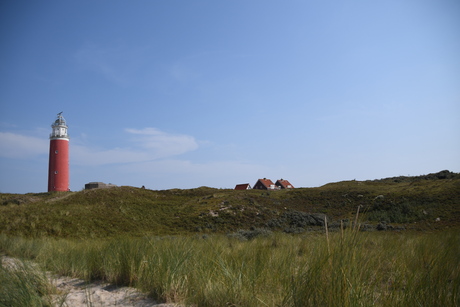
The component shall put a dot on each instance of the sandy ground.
(78, 293)
(75, 292)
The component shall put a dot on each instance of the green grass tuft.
(24, 284)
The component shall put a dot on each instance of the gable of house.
(284, 184)
(264, 184)
(243, 186)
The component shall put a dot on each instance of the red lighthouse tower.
(58, 173)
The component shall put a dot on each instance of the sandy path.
(79, 293)
(74, 292)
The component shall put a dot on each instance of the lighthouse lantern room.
(58, 173)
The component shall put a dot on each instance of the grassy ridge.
(129, 210)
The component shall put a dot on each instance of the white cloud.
(149, 144)
(83, 155)
(13, 145)
(164, 144)
(146, 144)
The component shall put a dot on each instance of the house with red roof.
(265, 184)
(243, 186)
(284, 184)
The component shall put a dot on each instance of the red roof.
(266, 182)
(284, 184)
(243, 186)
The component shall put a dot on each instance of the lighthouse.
(58, 172)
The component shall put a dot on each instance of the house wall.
(259, 186)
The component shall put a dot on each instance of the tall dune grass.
(347, 268)
(24, 284)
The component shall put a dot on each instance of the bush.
(394, 212)
(298, 219)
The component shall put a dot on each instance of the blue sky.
(182, 94)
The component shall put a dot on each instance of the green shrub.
(403, 212)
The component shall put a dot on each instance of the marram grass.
(347, 268)
(25, 284)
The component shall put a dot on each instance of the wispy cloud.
(147, 144)
(164, 144)
(142, 145)
(14, 145)
(146, 156)
(86, 155)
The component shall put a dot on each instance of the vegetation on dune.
(215, 247)
(346, 268)
(415, 203)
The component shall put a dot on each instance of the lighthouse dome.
(60, 121)
(59, 128)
